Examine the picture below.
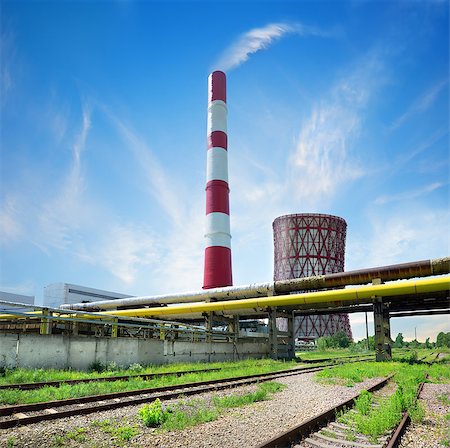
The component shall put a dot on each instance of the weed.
(78, 435)
(127, 432)
(363, 403)
(179, 420)
(447, 416)
(417, 413)
(444, 399)
(97, 366)
(350, 435)
(153, 414)
(59, 441)
(330, 434)
(123, 433)
(229, 370)
(135, 368)
(11, 442)
(272, 387)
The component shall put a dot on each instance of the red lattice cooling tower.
(305, 245)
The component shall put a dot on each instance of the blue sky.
(337, 107)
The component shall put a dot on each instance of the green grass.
(196, 412)
(229, 370)
(363, 403)
(332, 353)
(374, 421)
(122, 433)
(444, 399)
(330, 434)
(349, 374)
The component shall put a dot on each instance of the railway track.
(144, 376)
(323, 432)
(149, 376)
(24, 414)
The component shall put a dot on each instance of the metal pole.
(367, 334)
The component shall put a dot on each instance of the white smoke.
(259, 39)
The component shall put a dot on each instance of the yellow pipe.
(336, 295)
(309, 298)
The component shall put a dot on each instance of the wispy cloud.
(10, 225)
(322, 159)
(407, 195)
(8, 61)
(124, 250)
(159, 182)
(61, 216)
(259, 39)
(423, 146)
(420, 105)
(410, 233)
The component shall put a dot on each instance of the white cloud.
(421, 104)
(407, 195)
(160, 184)
(124, 250)
(8, 64)
(259, 39)
(61, 216)
(323, 158)
(10, 226)
(408, 234)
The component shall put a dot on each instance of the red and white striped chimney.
(217, 271)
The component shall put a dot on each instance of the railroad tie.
(320, 444)
(346, 442)
(51, 411)
(20, 415)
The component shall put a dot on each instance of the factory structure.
(311, 294)
(307, 245)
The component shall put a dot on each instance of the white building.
(56, 294)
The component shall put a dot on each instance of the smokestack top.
(217, 86)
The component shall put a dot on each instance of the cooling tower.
(308, 244)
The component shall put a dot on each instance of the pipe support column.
(382, 330)
(273, 333)
(291, 336)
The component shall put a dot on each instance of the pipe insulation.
(413, 269)
(358, 294)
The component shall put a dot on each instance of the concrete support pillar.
(115, 328)
(208, 326)
(382, 330)
(46, 324)
(291, 338)
(273, 333)
(233, 327)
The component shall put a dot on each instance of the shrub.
(153, 414)
(97, 366)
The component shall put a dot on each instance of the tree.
(398, 341)
(442, 339)
(428, 344)
(341, 339)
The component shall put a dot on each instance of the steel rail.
(144, 395)
(144, 376)
(422, 268)
(147, 376)
(292, 435)
(398, 432)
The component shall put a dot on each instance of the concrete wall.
(79, 352)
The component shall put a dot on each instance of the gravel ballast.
(434, 431)
(246, 426)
